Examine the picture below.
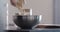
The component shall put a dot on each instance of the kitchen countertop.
(47, 30)
(42, 28)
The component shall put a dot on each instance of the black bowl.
(27, 21)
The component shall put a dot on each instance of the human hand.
(13, 2)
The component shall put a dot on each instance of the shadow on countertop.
(48, 26)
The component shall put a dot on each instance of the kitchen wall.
(42, 7)
(2, 14)
(57, 12)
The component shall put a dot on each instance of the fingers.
(13, 2)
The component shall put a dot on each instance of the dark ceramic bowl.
(26, 22)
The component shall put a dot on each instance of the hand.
(17, 3)
(13, 2)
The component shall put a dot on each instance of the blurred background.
(49, 9)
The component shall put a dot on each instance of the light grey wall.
(42, 7)
(39, 7)
(2, 14)
(57, 12)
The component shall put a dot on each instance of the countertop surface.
(41, 28)
(48, 30)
